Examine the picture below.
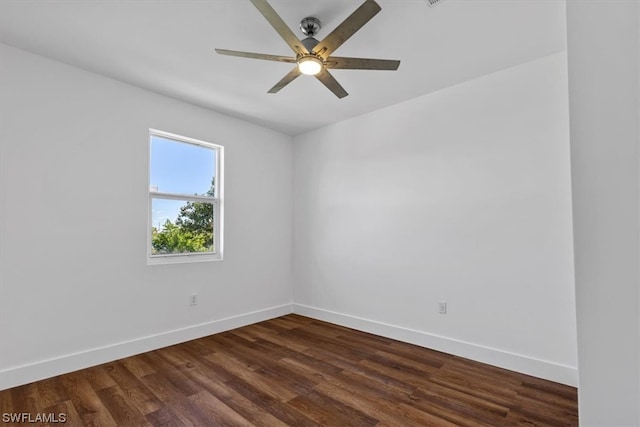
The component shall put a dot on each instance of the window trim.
(216, 201)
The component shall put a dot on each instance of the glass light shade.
(310, 65)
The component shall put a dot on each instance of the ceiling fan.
(313, 57)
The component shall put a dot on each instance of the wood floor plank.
(490, 392)
(219, 413)
(286, 322)
(387, 413)
(329, 343)
(417, 354)
(6, 401)
(254, 354)
(277, 408)
(272, 327)
(384, 379)
(399, 371)
(137, 366)
(318, 367)
(163, 388)
(199, 346)
(267, 335)
(459, 416)
(297, 371)
(543, 413)
(330, 412)
(189, 413)
(98, 377)
(51, 392)
(483, 373)
(276, 390)
(200, 363)
(120, 408)
(245, 333)
(26, 399)
(181, 410)
(72, 418)
(462, 401)
(363, 385)
(365, 340)
(135, 391)
(294, 381)
(87, 403)
(169, 372)
(162, 417)
(239, 403)
(170, 356)
(548, 391)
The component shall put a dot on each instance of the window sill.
(182, 258)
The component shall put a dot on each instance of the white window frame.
(216, 200)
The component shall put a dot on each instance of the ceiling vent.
(432, 3)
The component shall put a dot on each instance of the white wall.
(75, 286)
(604, 73)
(462, 195)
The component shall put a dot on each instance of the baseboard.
(25, 374)
(515, 362)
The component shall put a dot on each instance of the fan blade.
(293, 74)
(331, 83)
(252, 55)
(337, 62)
(279, 25)
(349, 26)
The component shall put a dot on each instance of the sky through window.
(179, 168)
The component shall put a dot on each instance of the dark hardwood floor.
(295, 371)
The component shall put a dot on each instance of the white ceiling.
(167, 46)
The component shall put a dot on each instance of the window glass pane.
(180, 226)
(181, 168)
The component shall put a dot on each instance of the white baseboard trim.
(515, 362)
(24, 374)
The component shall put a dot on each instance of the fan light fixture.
(310, 65)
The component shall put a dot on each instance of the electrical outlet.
(193, 299)
(442, 307)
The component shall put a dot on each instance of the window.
(185, 199)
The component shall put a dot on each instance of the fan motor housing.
(309, 43)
